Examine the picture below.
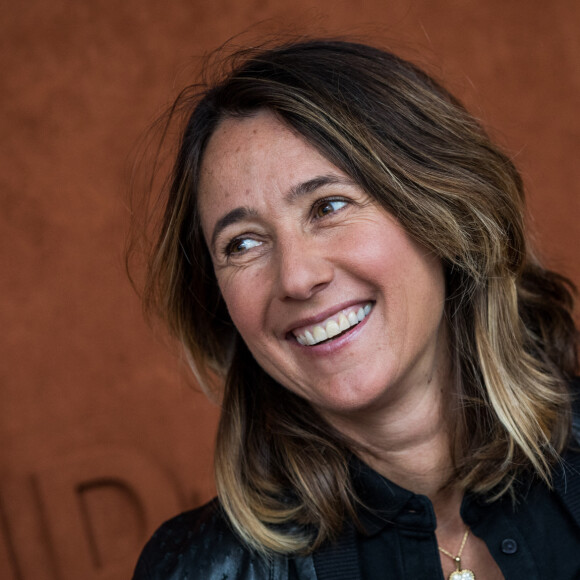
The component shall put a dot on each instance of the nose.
(303, 269)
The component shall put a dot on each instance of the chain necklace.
(459, 574)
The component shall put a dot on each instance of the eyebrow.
(305, 188)
(236, 215)
(315, 183)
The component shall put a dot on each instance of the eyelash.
(229, 248)
(325, 202)
(318, 205)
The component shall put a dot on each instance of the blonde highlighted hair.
(282, 472)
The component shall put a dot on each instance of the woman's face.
(332, 297)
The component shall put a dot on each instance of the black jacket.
(540, 540)
(200, 545)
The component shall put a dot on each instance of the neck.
(407, 440)
(413, 453)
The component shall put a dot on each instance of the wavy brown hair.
(281, 471)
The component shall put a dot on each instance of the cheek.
(410, 278)
(245, 301)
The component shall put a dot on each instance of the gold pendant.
(459, 574)
(464, 574)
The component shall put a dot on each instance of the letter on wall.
(96, 510)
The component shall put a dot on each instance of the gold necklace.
(459, 574)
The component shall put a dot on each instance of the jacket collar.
(383, 502)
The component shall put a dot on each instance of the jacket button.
(509, 546)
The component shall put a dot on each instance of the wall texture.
(103, 433)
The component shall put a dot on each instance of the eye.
(240, 245)
(328, 206)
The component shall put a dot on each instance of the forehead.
(255, 160)
(261, 127)
(252, 145)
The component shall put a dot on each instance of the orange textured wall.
(102, 434)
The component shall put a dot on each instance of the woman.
(344, 248)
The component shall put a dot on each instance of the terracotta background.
(102, 435)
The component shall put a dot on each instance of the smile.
(332, 326)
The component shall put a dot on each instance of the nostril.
(303, 274)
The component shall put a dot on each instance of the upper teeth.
(332, 326)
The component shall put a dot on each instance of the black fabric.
(535, 538)
(339, 559)
(569, 469)
(199, 545)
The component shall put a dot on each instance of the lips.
(332, 326)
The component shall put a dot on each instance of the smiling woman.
(345, 248)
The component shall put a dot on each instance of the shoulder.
(567, 473)
(199, 544)
(575, 393)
